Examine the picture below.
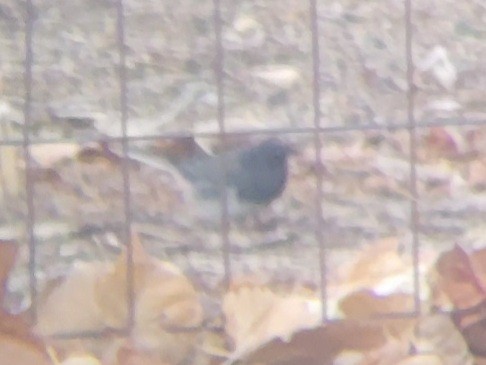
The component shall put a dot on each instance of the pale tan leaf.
(365, 304)
(127, 355)
(72, 306)
(8, 254)
(390, 353)
(379, 265)
(349, 358)
(283, 76)
(477, 174)
(255, 315)
(421, 360)
(459, 278)
(47, 155)
(16, 351)
(319, 345)
(93, 297)
(436, 334)
(10, 173)
(80, 360)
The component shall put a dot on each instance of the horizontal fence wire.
(449, 122)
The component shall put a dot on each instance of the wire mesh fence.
(221, 64)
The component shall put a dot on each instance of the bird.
(253, 176)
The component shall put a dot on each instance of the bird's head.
(272, 152)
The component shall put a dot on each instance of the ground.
(268, 84)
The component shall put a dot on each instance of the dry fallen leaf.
(93, 297)
(10, 157)
(477, 174)
(18, 351)
(17, 344)
(392, 352)
(47, 155)
(436, 334)
(365, 304)
(72, 306)
(80, 360)
(8, 253)
(421, 360)
(476, 140)
(460, 278)
(379, 266)
(435, 340)
(167, 308)
(255, 315)
(128, 355)
(444, 142)
(319, 345)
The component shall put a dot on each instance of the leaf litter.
(262, 323)
(366, 183)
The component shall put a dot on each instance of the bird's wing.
(205, 174)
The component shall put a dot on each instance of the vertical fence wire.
(122, 74)
(414, 211)
(219, 74)
(316, 92)
(29, 183)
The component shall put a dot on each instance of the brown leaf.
(475, 335)
(8, 254)
(127, 355)
(477, 174)
(47, 155)
(72, 305)
(17, 326)
(284, 329)
(392, 352)
(422, 360)
(16, 351)
(443, 141)
(436, 334)
(320, 345)
(93, 297)
(462, 276)
(167, 305)
(255, 315)
(10, 159)
(16, 341)
(476, 139)
(80, 359)
(365, 304)
(375, 263)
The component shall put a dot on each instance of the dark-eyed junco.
(255, 176)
